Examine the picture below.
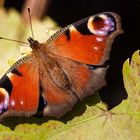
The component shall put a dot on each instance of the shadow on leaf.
(78, 110)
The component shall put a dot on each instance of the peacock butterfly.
(69, 66)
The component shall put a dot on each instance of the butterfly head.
(34, 44)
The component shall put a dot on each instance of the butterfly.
(68, 67)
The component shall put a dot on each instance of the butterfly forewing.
(20, 90)
(88, 40)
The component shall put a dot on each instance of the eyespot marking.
(102, 25)
(4, 100)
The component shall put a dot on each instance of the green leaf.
(131, 76)
(105, 126)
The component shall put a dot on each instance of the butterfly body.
(58, 73)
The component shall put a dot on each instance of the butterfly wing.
(66, 83)
(88, 40)
(19, 89)
(80, 50)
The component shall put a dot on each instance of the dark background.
(65, 12)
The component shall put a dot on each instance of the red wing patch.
(82, 82)
(23, 90)
(88, 41)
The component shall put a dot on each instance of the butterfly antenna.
(30, 22)
(14, 40)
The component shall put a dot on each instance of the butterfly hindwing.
(19, 88)
(66, 82)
